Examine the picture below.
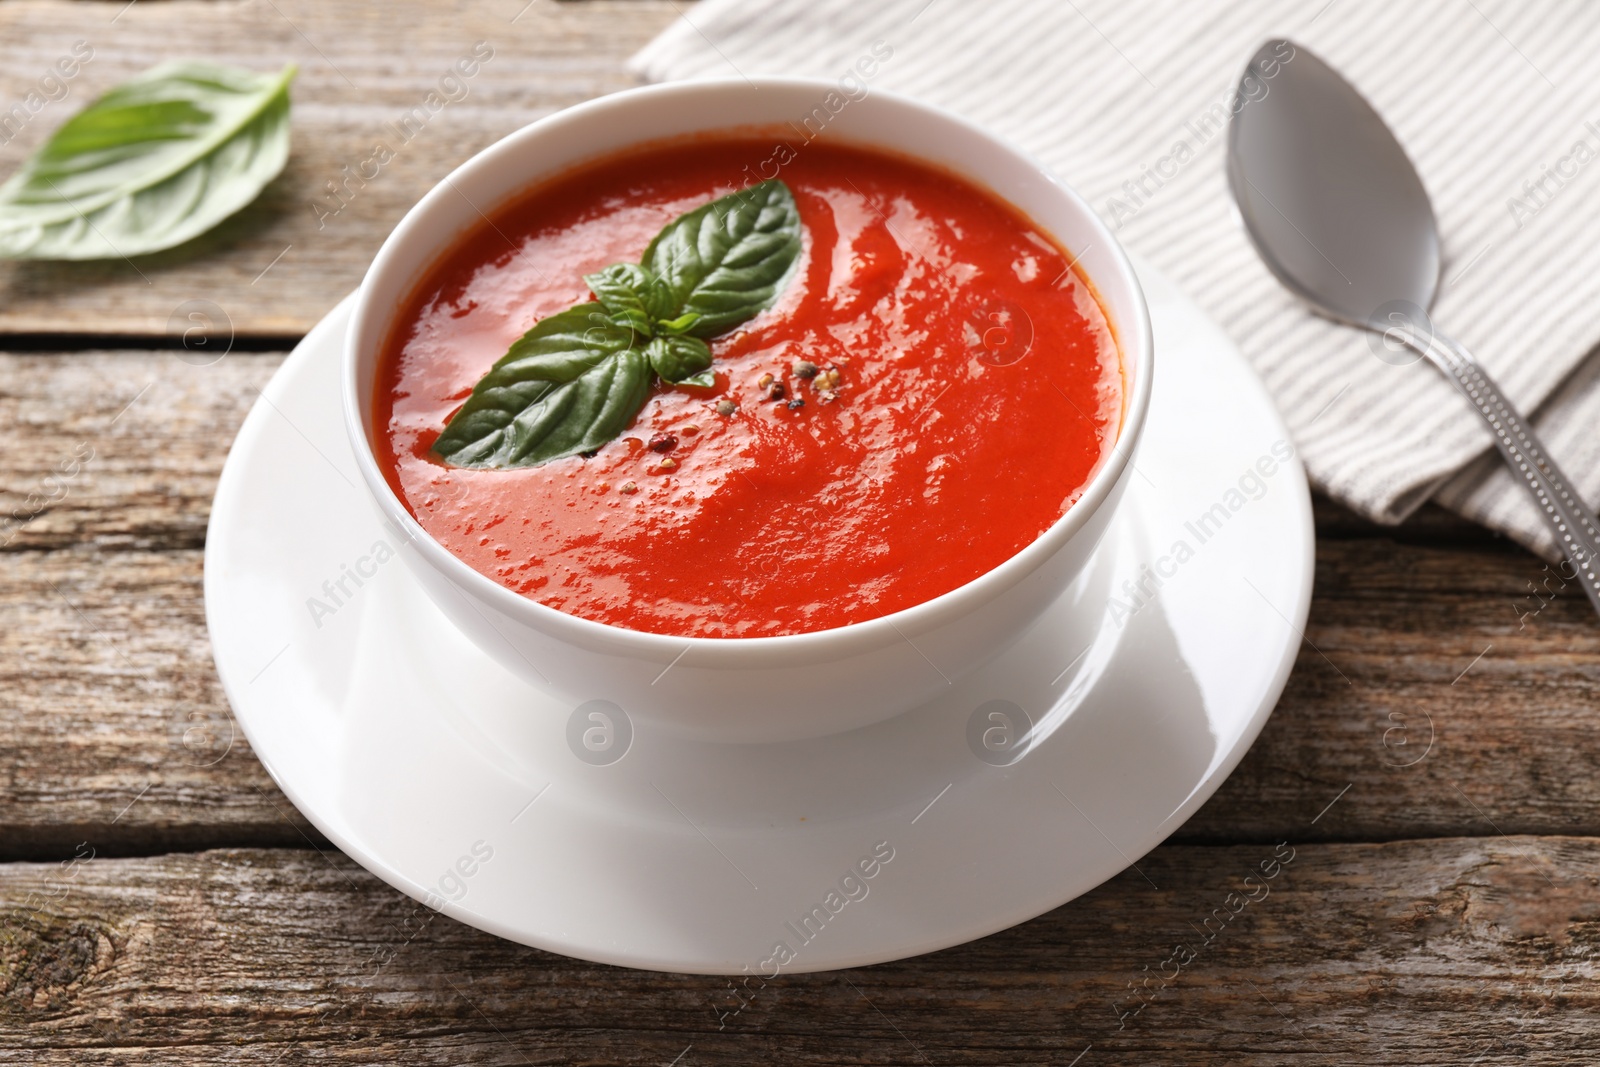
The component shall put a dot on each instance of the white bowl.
(760, 688)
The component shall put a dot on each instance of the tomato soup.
(931, 391)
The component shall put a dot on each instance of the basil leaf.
(632, 294)
(728, 260)
(680, 325)
(152, 163)
(678, 359)
(578, 378)
(569, 385)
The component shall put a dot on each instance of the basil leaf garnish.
(567, 386)
(677, 359)
(578, 378)
(632, 295)
(152, 163)
(680, 325)
(729, 259)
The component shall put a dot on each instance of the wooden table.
(1432, 765)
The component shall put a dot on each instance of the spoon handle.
(1570, 520)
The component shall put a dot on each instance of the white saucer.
(441, 773)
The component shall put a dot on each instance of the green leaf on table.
(154, 162)
(729, 259)
(567, 386)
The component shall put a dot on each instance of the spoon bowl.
(1329, 197)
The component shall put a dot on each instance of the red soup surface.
(977, 389)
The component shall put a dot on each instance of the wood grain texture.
(115, 729)
(149, 431)
(108, 663)
(107, 667)
(363, 67)
(1349, 954)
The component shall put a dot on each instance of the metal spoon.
(1336, 210)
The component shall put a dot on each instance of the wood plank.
(115, 728)
(1423, 952)
(1447, 686)
(185, 404)
(362, 68)
(107, 666)
(105, 662)
(118, 450)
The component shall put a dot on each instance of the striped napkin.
(1127, 100)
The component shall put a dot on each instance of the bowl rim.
(1133, 337)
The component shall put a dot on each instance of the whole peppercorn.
(663, 442)
(805, 369)
(726, 408)
(777, 392)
